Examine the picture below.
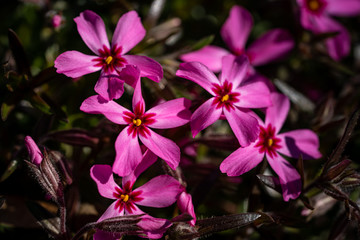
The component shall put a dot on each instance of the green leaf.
(5, 110)
(202, 42)
(9, 170)
(39, 103)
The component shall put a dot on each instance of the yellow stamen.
(125, 197)
(109, 60)
(225, 98)
(137, 122)
(314, 5)
(270, 142)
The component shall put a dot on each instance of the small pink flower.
(110, 59)
(170, 114)
(35, 154)
(159, 192)
(271, 46)
(232, 96)
(56, 20)
(315, 15)
(185, 205)
(270, 143)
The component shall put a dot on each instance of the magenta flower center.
(267, 141)
(224, 97)
(110, 60)
(138, 121)
(126, 198)
(315, 6)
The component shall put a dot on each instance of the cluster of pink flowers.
(235, 91)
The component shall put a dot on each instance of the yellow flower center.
(109, 60)
(314, 4)
(125, 197)
(225, 98)
(270, 142)
(137, 122)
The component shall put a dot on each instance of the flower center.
(225, 98)
(137, 122)
(314, 5)
(267, 141)
(124, 197)
(109, 60)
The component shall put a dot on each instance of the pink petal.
(254, 93)
(154, 228)
(210, 56)
(170, 114)
(277, 113)
(198, 73)
(148, 159)
(302, 142)
(271, 46)
(135, 210)
(244, 126)
(307, 19)
(110, 109)
(162, 147)
(75, 64)
(35, 154)
(161, 191)
(128, 153)
(103, 177)
(236, 29)
(148, 67)
(92, 31)
(343, 8)
(289, 178)
(109, 86)
(204, 116)
(111, 212)
(241, 161)
(128, 32)
(234, 69)
(338, 46)
(185, 205)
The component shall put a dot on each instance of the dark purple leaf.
(335, 170)
(17, 49)
(271, 182)
(77, 137)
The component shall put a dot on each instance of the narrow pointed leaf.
(77, 137)
(271, 182)
(9, 170)
(6, 110)
(202, 42)
(17, 49)
(336, 170)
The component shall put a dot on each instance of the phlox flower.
(111, 59)
(159, 192)
(232, 97)
(35, 154)
(185, 205)
(270, 46)
(170, 114)
(315, 15)
(272, 144)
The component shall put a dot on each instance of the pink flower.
(315, 16)
(159, 192)
(56, 20)
(232, 96)
(110, 59)
(185, 205)
(271, 46)
(270, 143)
(35, 154)
(170, 114)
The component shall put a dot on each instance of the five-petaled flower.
(315, 16)
(232, 96)
(170, 114)
(271, 144)
(159, 192)
(271, 46)
(110, 59)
